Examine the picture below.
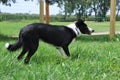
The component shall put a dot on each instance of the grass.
(92, 58)
(102, 27)
(5, 26)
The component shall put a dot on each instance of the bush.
(7, 16)
(53, 18)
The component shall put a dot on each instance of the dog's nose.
(93, 30)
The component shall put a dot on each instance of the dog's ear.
(81, 21)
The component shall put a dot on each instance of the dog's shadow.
(101, 38)
(5, 38)
(41, 59)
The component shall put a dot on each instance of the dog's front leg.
(32, 49)
(64, 51)
(65, 48)
(61, 51)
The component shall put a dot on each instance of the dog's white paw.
(7, 45)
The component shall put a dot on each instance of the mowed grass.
(92, 57)
(5, 26)
(12, 28)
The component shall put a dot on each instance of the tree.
(94, 6)
(100, 8)
(82, 8)
(104, 7)
(7, 2)
(67, 6)
(118, 8)
(79, 8)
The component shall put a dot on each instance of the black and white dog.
(59, 36)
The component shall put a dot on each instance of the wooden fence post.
(112, 18)
(41, 11)
(47, 13)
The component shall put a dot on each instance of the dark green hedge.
(57, 18)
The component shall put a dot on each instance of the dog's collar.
(74, 28)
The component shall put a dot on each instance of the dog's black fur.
(59, 36)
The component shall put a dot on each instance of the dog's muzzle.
(91, 30)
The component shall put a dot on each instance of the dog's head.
(83, 27)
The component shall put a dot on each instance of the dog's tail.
(15, 46)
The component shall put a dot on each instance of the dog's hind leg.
(32, 49)
(22, 54)
(24, 50)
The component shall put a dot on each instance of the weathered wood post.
(112, 18)
(42, 11)
(47, 12)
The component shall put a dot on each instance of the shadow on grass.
(94, 38)
(6, 38)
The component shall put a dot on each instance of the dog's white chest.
(74, 28)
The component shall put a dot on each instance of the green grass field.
(92, 57)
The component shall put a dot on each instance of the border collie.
(59, 36)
